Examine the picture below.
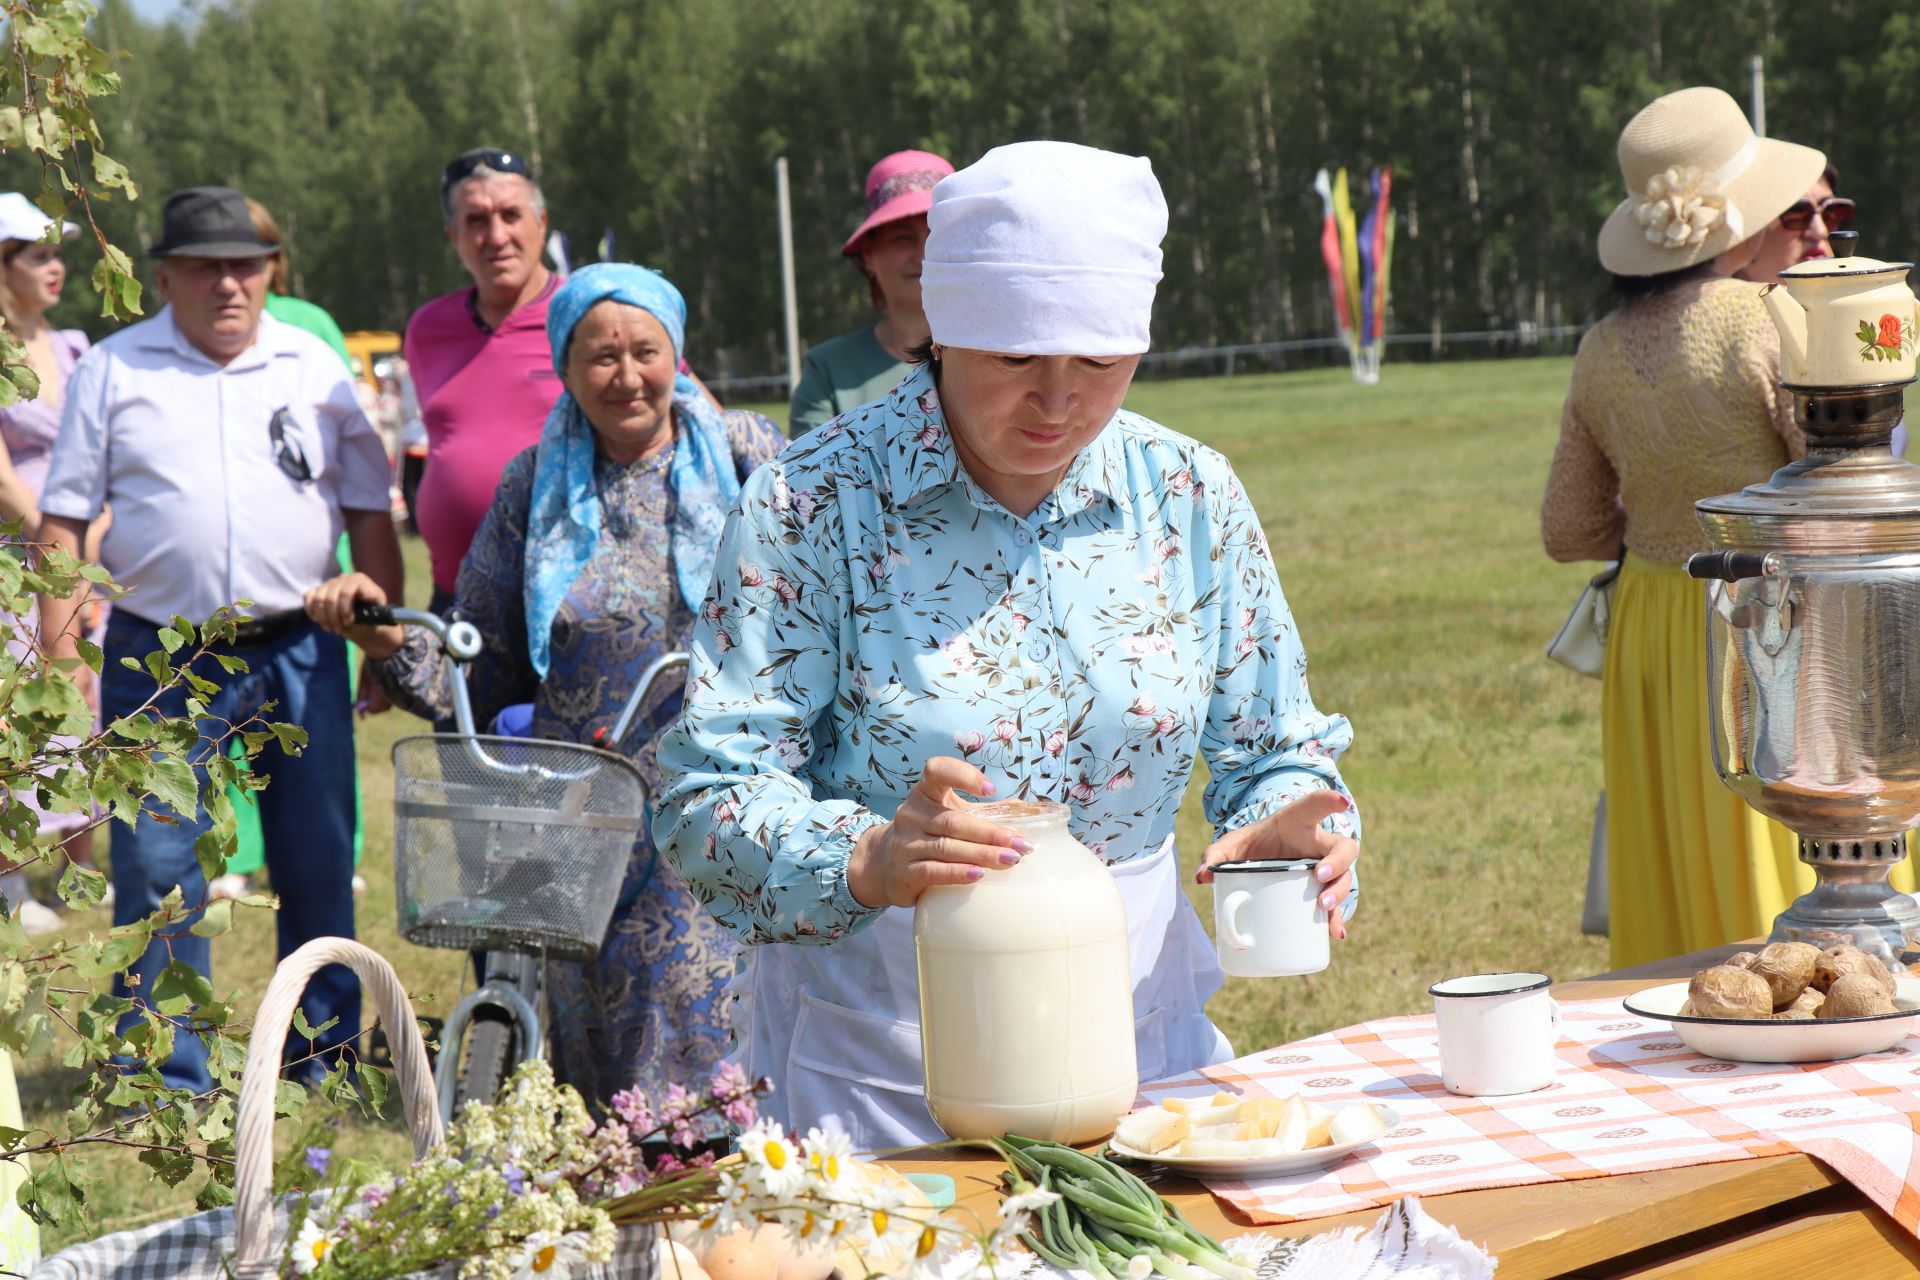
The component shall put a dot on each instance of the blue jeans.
(306, 819)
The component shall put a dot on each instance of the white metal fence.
(1265, 357)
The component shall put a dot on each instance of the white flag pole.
(792, 304)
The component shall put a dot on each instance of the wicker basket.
(254, 1256)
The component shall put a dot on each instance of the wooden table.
(1738, 1220)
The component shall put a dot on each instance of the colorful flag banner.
(1358, 255)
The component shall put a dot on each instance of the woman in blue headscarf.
(593, 561)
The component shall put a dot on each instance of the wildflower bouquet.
(532, 1188)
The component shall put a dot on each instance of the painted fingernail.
(1009, 859)
(1022, 845)
(1324, 872)
(988, 789)
(974, 873)
(1326, 901)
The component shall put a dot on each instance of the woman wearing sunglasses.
(1801, 232)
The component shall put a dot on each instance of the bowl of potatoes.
(1788, 1002)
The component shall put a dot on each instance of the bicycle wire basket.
(511, 843)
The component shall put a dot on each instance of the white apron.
(837, 1027)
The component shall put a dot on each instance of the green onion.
(1106, 1216)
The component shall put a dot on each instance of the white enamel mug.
(1497, 1033)
(1267, 921)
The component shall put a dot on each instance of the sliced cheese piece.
(1181, 1106)
(1360, 1122)
(1261, 1116)
(1319, 1119)
(1291, 1130)
(1223, 1099)
(1153, 1130)
(1211, 1116)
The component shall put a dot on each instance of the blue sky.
(155, 9)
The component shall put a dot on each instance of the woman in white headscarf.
(993, 582)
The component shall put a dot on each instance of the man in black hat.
(234, 454)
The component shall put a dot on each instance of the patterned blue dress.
(649, 1010)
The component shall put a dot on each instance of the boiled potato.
(1787, 968)
(1726, 992)
(1805, 1006)
(1856, 995)
(1837, 962)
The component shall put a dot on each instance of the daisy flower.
(548, 1257)
(312, 1245)
(828, 1155)
(773, 1160)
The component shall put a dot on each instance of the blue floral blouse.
(872, 607)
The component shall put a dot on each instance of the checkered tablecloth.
(1629, 1097)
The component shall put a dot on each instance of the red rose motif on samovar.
(1890, 332)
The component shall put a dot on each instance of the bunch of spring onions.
(1106, 1219)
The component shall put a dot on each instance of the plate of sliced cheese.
(1229, 1137)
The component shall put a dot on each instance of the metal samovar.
(1813, 625)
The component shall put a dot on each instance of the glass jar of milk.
(1026, 993)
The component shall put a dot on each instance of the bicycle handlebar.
(461, 642)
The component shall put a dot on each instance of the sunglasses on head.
(1835, 211)
(499, 161)
(287, 455)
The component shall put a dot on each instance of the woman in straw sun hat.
(1675, 398)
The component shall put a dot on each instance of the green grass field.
(1404, 519)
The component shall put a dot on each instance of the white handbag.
(1581, 643)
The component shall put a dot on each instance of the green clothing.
(302, 314)
(840, 374)
(250, 854)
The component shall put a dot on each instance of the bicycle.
(515, 846)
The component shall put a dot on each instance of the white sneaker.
(230, 885)
(39, 919)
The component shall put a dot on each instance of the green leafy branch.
(50, 76)
(56, 996)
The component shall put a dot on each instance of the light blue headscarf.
(564, 521)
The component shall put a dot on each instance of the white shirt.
(179, 445)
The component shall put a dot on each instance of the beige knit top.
(1674, 398)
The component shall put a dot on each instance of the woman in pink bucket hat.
(854, 368)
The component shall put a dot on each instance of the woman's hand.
(1295, 832)
(331, 606)
(931, 840)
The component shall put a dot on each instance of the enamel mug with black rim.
(1267, 919)
(1498, 1033)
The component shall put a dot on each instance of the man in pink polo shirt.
(479, 356)
(482, 370)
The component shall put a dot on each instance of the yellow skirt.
(1689, 864)
(19, 1237)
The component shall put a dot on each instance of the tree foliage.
(56, 995)
(661, 120)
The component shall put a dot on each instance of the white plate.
(1763, 1040)
(1292, 1162)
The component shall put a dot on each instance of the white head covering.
(1045, 249)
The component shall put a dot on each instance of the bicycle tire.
(490, 1038)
